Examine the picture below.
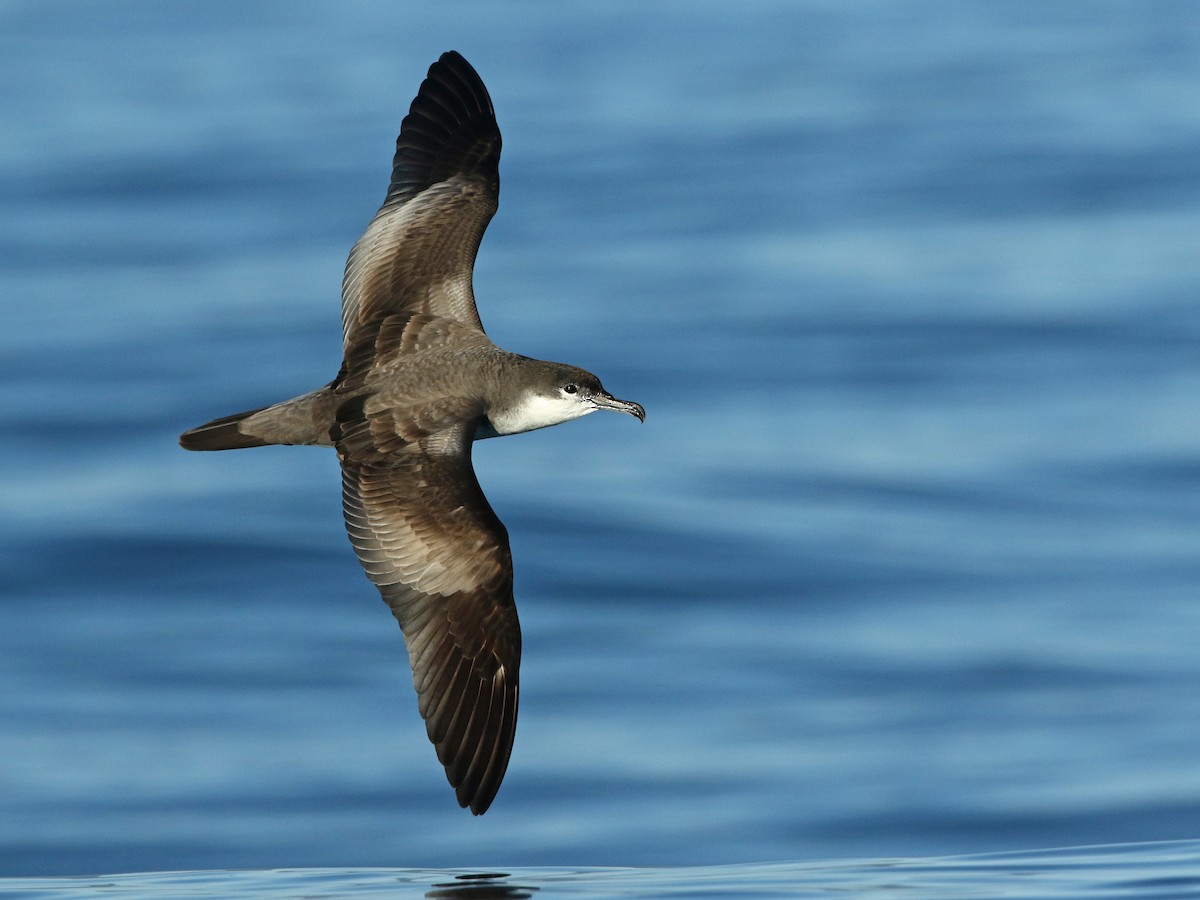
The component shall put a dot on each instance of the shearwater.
(420, 382)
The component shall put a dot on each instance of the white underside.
(540, 412)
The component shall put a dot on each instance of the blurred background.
(904, 560)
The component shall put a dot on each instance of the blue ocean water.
(1141, 871)
(903, 563)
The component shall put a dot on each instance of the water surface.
(903, 563)
(1144, 871)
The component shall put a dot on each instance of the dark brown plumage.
(419, 383)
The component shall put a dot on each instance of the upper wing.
(417, 254)
(426, 536)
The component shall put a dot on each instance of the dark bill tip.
(626, 406)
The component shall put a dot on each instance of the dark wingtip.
(450, 128)
(477, 770)
(452, 58)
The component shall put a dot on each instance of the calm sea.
(904, 563)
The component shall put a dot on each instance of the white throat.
(537, 411)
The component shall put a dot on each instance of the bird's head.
(555, 392)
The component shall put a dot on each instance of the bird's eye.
(570, 388)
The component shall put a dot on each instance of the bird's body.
(421, 382)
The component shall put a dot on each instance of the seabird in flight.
(420, 382)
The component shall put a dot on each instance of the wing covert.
(417, 254)
(428, 539)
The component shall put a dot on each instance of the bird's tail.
(222, 434)
(301, 420)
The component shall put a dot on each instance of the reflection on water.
(482, 886)
(1144, 871)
